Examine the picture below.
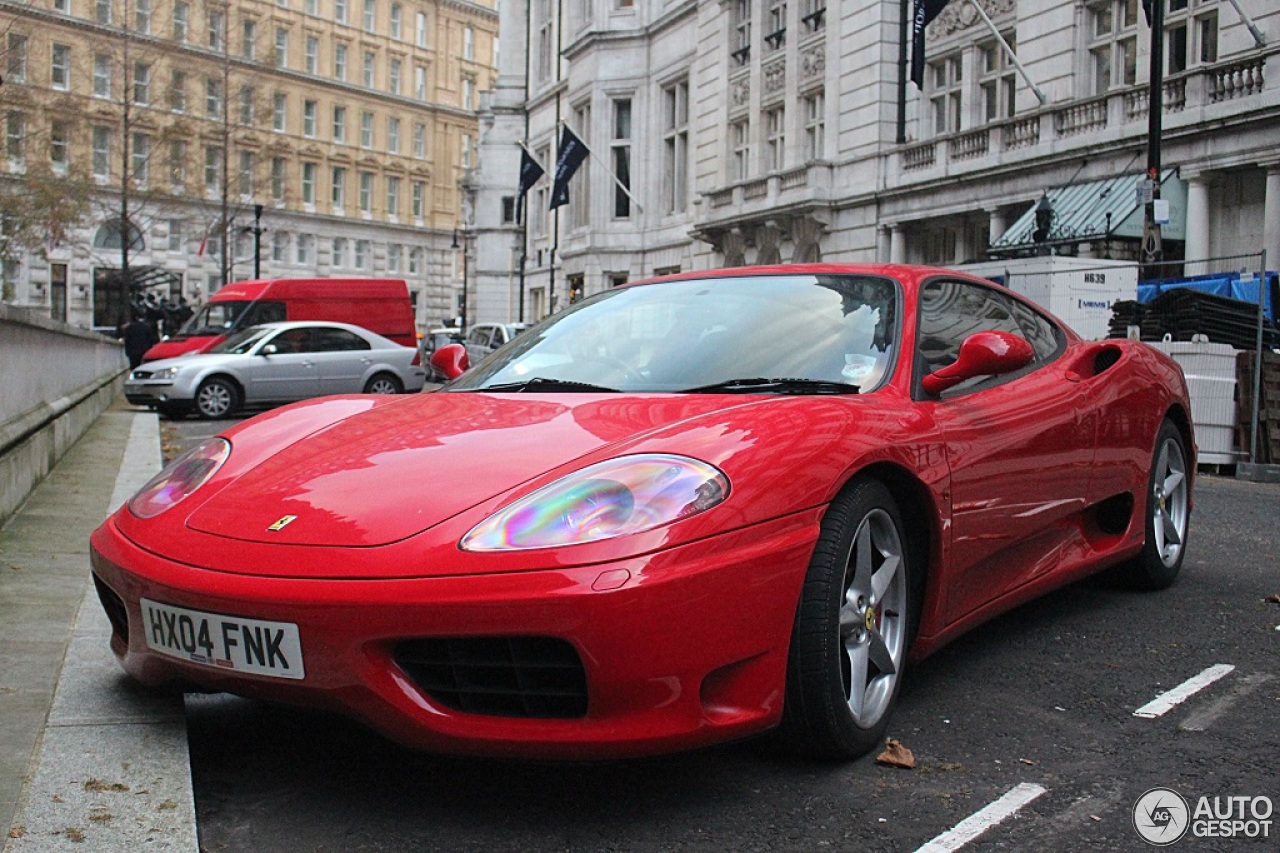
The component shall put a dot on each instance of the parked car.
(484, 338)
(276, 363)
(381, 305)
(679, 512)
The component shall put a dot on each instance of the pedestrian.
(138, 338)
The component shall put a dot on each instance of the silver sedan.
(276, 363)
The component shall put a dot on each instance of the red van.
(380, 305)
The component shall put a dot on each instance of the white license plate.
(226, 642)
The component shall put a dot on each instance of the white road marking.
(1201, 720)
(980, 821)
(1166, 702)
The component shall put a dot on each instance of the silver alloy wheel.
(383, 384)
(873, 615)
(214, 399)
(1169, 503)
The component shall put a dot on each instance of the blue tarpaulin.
(1225, 284)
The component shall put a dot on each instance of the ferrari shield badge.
(282, 523)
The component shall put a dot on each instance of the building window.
(309, 118)
(60, 67)
(546, 39)
(213, 97)
(248, 98)
(279, 112)
(397, 20)
(101, 153)
(282, 47)
(177, 165)
(308, 184)
(102, 76)
(142, 16)
(213, 170)
(178, 91)
(366, 77)
(217, 29)
(15, 61)
(366, 129)
(245, 178)
(249, 39)
(141, 83)
(340, 125)
(174, 243)
(393, 197)
(312, 7)
(675, 167)
(815, 124)
(339, 254)
(1181, 26)
(813, 15)
(305, 248)
(370, 16)
(418, 199)
(310, 54)
(340, 62)
(366, 193)
(946, 79)
(362, 254)
(141, 159)
(741, 37)
(420, 29)
(468, 93)
(339, 188)
(580, 183)
(394, 75)
(468, 42)
(279, 165)
(181, 22)
(739, 150)
(393, 135)
(59, 146)
(395, 257)
(466, 151)
(15, 139)
(775, 122)
(102, 11)
(1113, 47)
(776, 37)
(340, 11)
(280, 247)
(420, 82)
(998, 82)
(620, 156)
(420, 141)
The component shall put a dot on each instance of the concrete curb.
(112, 770)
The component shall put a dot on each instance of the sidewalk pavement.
(89, 761)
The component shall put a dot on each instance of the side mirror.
(981, 354)
(269, 349)
(451, 360)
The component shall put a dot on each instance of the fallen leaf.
(1094, 818)
(1273, 598)
(18, 831)
(1027, 761)
(896, 755)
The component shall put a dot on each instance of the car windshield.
(242, 341)
(756, 333)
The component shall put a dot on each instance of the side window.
(294, 341)
(338, 340)
(479, 336)
(265, 312)
(951, 311)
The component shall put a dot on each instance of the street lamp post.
(465, 270)
(256, 230)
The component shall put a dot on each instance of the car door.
(1019, 446)
(342, 358)
(287, 373)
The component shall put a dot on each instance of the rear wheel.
(383, 383)
(852, 628)
(217, 397)
(1167, 517)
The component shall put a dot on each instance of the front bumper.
(681, 648)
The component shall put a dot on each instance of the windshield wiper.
(543, 383)
(764, 385)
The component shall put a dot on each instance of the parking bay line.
(1201, 720)
(983, 819)
(1169, 700)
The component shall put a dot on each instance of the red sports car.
(682, 511)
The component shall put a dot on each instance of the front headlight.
(180, 478)
(167, 373)
(630, 494)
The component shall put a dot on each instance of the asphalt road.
(1044, 696)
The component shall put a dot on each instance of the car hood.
(176, 346)
(393, 471)
(187, 359)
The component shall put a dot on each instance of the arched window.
(108, 237)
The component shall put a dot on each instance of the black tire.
(861, 570)
(217, 397)
(383, 383)
(1167, 511)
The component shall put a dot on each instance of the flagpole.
(616, 180)
(1040, 96)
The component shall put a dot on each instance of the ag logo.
(1161, 816)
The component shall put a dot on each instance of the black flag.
(530, 171)
(926, 11)
(1146, 10)
(570, 156)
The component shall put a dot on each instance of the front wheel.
(217, 397)
(1167, 517)
(852, 628)
(383, 383)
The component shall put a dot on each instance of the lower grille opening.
(536, 677)
(114, 606)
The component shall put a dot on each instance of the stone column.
(897, 245)
(1198, 243)
(996, 225)
(1271, 217)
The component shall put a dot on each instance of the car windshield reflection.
(803, 333)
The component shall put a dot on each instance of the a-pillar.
(1198, 238)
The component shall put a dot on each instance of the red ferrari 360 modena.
(678, 512)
